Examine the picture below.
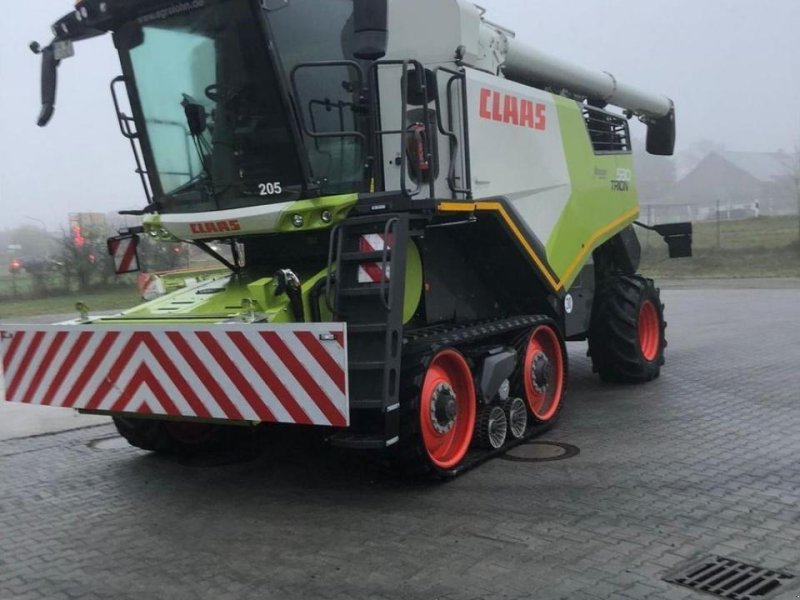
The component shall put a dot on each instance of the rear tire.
(626, 339)
(178, 437)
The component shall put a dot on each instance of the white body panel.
(209, 225)
(525, 164)
(391, 120)
(431, 31)
(434, 31)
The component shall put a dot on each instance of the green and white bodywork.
(388, 173)
(560, 193)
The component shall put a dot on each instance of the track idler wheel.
(492, 429)
(517, 415)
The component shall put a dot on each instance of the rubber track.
(420, 348)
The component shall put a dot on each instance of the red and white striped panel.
(271, 373)
(372, 272)
(126, 259)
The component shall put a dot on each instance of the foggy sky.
(732, 67)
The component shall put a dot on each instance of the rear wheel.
(177, 437)
(626, 340)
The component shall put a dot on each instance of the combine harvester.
(420, 209)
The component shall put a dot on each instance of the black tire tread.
(153, 435)
(614, 336)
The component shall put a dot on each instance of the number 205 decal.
(270, 189)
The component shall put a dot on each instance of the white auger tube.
(529, 66)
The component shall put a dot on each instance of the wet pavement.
(701, 462)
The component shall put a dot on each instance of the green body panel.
(312, 210)
(217, 300)
(597, 209)
(225, 297)
(414, 282)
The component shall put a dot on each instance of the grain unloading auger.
(421, 211)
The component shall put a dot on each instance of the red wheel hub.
(543, 373)
(649, 331)
(447, 409)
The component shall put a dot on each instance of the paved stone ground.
(704, 460)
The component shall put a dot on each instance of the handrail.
(460, 77)
(332, 63)
(132, 136)
(386, 294)
(403, 131)
(335, 232)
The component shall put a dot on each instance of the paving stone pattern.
(704, 460)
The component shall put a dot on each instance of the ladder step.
(367, 365)
(373, 405)
(367, 328)
(366, 291)
(361, 442)
(359, 257)
(366, 404)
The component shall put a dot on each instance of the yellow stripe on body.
(579, 259)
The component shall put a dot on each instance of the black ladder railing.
(373, 311)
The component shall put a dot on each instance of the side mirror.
(415, 94)
(661, 135)
(49, 82)
(52, 56)
(125, 251)
(371, 21)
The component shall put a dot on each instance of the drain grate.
(729, 578)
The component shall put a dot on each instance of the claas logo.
(509, 109)
(231, 225)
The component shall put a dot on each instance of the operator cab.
(235, 103)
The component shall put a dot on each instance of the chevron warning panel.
(265, 373)
(124, 251)
(373, 272)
